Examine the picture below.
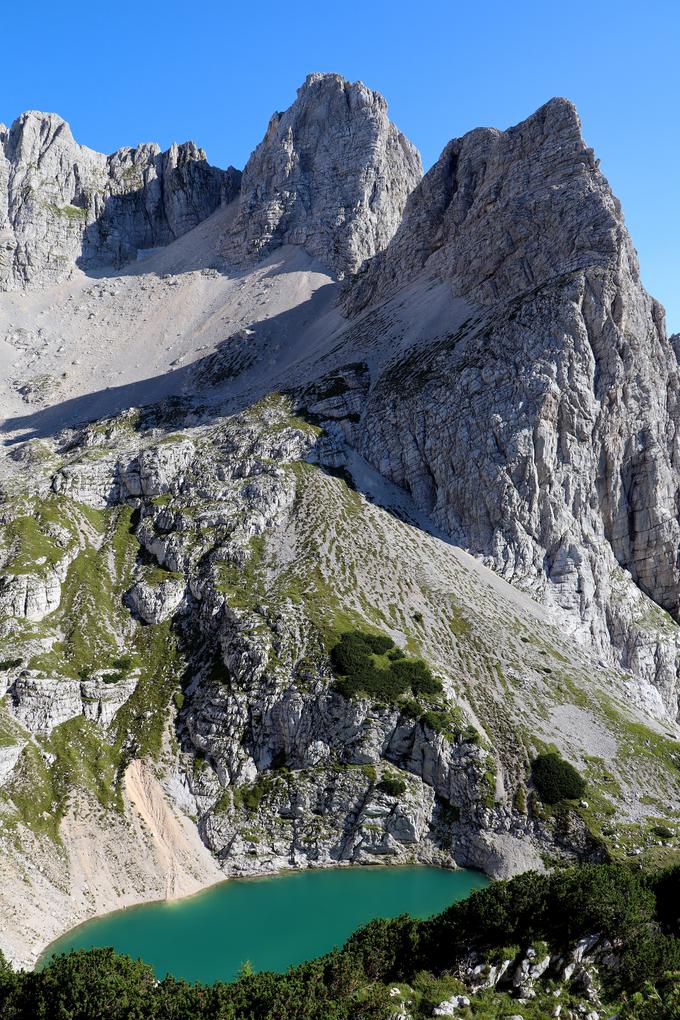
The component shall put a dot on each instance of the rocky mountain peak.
(547, 410)
(502, 212)
(34, 131)
(332, 174)
(62, 204)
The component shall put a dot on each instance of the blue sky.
(214, 72)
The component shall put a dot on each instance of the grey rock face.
(332, 174)
(504, 212)
(33, 596)
(61, 203)
(41, 703)
(543, 431)
(30, 596)
(155, 603)
(101, 699)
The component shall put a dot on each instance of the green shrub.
(351, 653)
(666, 889)
(113, 678)
(179, 700)
(378, 643)
(470, 735)
(250, 797)
(556, 779)
(393, 786)
(357, 672)
(415, 674)
(662, 831)
(123, 663)
(6, 664)
(434, 720)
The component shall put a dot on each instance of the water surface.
(271, 922)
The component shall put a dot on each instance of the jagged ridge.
(61, 203)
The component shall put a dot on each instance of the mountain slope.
(194, 580)
(222, 463)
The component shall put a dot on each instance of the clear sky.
(215, 71)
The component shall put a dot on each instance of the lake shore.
(152, 852)
(105, 861)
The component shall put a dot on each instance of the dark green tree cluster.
(358, 672)
(556, 779)
(637, 913)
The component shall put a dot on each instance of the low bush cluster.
(355, 660)
(392, 785)
(556, 779)
(113, 678)
(6, 664)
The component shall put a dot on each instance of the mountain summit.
(63, 204)
(545, 424)
(332, 174)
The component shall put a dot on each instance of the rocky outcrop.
(63, 204)
(104, 694)
(30, 596)
(40, 703)
(331, 174)
(34, 594)
(9, 756)
(534, 973)
(328, 804)
(542, 432)
(156, 602)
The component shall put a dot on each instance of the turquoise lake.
(271, 922)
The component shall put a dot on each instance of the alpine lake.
(271, 923)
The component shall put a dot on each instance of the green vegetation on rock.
(392, 786)
(556, 779)
(364, 666)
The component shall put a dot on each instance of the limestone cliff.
(542, 430)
